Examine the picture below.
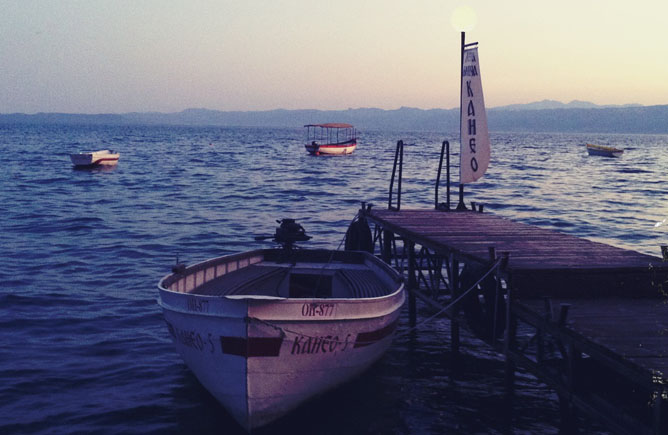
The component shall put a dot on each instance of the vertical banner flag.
(473, 134)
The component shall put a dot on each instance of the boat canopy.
(330, 125)
(330, 133)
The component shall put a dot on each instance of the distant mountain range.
(553, 104)
(542, 116)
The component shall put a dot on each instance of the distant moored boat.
(600, 150)
(330, 139)
(89, 159)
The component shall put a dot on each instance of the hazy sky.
(99, 56)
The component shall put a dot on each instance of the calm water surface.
(83, 347)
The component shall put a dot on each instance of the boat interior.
(302, 278)
(296, 281)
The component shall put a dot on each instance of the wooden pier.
(592, 318)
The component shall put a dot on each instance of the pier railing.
(445, 151)
(398, 164)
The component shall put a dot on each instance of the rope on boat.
(455, 302)
(449, 306)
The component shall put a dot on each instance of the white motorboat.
(268, 329)
(89, 159)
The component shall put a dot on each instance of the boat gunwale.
(282, 319)
(358, 257)
(255, 299)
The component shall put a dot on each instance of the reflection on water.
(96, 168)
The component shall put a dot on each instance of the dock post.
(567, 415)
(461, 206)
(387, 247)
(509, 345)
(657, 411)
(566, 406)
(412, 282)
(454, 290)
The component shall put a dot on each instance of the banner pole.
(461, 206)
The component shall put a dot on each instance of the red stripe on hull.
(252, 346)
(368, 338)
(345, 145)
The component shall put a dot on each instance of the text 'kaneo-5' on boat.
(252, 326)
(330, 139)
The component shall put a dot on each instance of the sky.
(118, 56)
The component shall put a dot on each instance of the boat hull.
(331, 149)
(598, 150)
(261, 357)
(95, 158)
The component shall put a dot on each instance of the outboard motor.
(290, 232)
(287, 234)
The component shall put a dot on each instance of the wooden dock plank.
(635, 329)
(450, 227)
(536, 254)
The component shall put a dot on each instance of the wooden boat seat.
(256, 280)
(362, 283)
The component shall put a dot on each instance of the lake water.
(84, 348)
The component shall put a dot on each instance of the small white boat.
(268, 329)
(330, 139)
(600, 150)
(90, 159)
